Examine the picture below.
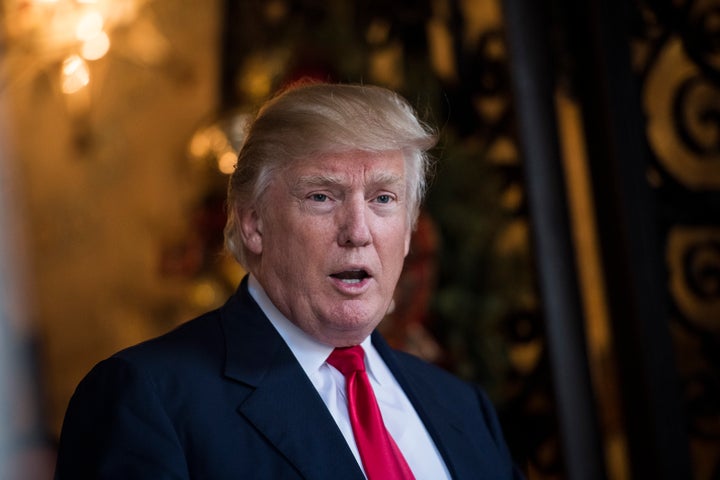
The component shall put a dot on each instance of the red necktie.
(380, 455)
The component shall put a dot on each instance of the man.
(321, 207)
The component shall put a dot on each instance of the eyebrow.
(320, 180)
(325, 180)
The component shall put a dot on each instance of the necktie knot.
(348, 360)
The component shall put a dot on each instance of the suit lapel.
(283, 405)
(445, 425)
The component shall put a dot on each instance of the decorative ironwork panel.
(677, 58)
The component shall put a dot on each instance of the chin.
(359, 321)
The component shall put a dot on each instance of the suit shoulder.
(186, 358)
(195, 340)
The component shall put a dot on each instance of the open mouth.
(351, 276)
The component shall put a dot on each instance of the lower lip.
(353, 288)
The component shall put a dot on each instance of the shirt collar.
(310, 353)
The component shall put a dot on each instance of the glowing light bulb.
(75, 74)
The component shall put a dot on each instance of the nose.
(354, 229)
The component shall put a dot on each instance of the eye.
(383, 199)
(318, 197)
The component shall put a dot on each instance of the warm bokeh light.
(206, 293)
(89, 26)
(200, 145)
(49, 31)
(218, 144)
(75, 74)
(96, 47)
(227, 161)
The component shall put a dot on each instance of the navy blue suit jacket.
(223, 397)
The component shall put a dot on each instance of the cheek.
(314, 235)
(296, 252)
(394, 250)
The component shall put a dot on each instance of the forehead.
(384, 167)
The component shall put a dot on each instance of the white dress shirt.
(400, 417)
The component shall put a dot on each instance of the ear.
(408, 237)
(251, 230)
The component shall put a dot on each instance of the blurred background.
(567, 258)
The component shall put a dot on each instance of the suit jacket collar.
(445, 425)
(281, 401)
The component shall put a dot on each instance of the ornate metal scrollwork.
(683, 118)
(693, 257)
(680, 81)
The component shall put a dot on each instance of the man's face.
(332, 236)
